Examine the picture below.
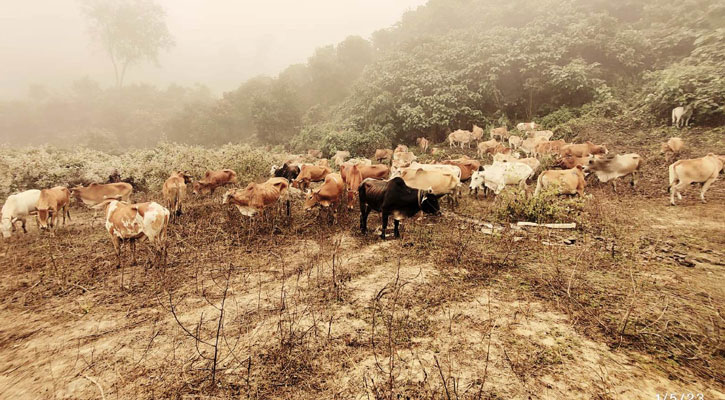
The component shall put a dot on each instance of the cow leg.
(116, 249)
(133, 251)
(614, 185)
(396, 230)
(384, 218)
(288, 208)
(23, 225)
(364, 211)
(706, 186)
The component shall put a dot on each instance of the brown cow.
(568, 181)
(467, 167)
(355, 174)
(549, 147)
(135, 221)
(95, 193)
(501, 133)
(326, 195)
(174, 191)
(258, 196)
(483, 147)
(213, 180)
(383, 154)
(583, 149)
(422, 144)
(310, 173)
(568, 162)
(50, 203)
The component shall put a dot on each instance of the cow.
(394, 198)
(681, 116)
(500, 133)
(515, 141)
(174, 192)
(460, 137)
(527, 126)
(129, 222)
(498, 149)
(401, 148)
(422, 144)
(703, 170)
(450, 169)
(570, 161)
(327, 195)
(258, 196)
(583, 149)
(466, 166)
(213, 180)
(340, 157)
(359, 161)
(548, 147)
(530, 161)
(310, 173)
(528, 145)
(439, 182)
(383, 154)
(323, 162)
(50, 203)
(612, 167)
(18, 207)
(355, 174)
(287, 171)
(95, 193)
(314, 153)
(674, 145)
(496, 176)
(542, 134)
(477, 133)
(568, 181)
(403, 159)
(482, 147)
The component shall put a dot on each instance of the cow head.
(43, 215)
(200, 187)
(429, 203)
(477, 178)
(311, 200)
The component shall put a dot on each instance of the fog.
(219, 43)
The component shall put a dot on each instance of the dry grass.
(613, 309)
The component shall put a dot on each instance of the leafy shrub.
(22, 169)
(547, 207)
(558, 117)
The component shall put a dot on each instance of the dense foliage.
(447, 65)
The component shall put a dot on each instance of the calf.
(673, 145)
(213, 180)
(50, 203)
(256, 197)
(394, 198)
(610, 168)
(326, 195)
(515, 141)
(703, 170)
(174, 191)
(17, 207)
(484, 146)
(568, 181)
(129, 222)
(310, 173)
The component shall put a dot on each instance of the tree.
(130, 31)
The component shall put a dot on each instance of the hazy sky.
(219, 43)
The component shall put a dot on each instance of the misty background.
(219, 44)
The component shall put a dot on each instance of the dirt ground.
(627, 306)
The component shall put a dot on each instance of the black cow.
(396, 198)
(287, 171)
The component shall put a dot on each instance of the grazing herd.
(402, 189)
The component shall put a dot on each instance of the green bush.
(547, 207)
(558, 117)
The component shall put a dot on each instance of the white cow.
(451, 169)
(17, 208)
(496, 176)
(530, 161)
(703, 170)
(681, 116)
(542, 134)
(135, 221)
(526, 126)
(617, 166)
